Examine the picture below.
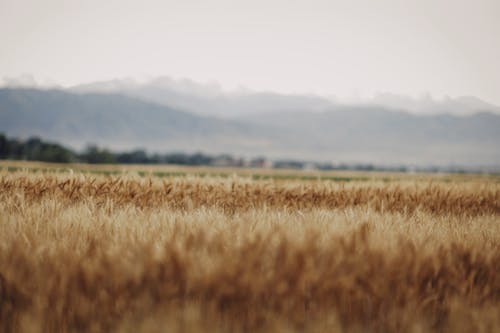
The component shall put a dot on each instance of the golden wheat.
(125, 253)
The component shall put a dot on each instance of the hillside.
(114, 120)
(382, 136)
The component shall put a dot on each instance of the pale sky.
(341, 48)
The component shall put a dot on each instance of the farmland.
(172, 249)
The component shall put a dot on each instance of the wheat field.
(83, 252)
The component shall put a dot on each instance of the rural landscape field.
(265, 166)
(86, 249)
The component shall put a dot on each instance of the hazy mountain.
(210, 99)
(426, 104)
(117, 121)
(366, 134)
(381, 135)
(207, 99)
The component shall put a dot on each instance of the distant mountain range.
(210, 99)
(463, 105)
(167, 116)
(206, 99)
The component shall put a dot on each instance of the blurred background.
(389, 85)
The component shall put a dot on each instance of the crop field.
(187, 250)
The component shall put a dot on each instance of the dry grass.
(125, 253)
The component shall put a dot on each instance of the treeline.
(34, 149)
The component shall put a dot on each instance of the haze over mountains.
(211, 99)
(168, 115)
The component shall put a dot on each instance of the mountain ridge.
(213, 100)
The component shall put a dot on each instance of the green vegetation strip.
(164, 174)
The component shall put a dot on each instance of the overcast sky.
(342, 48)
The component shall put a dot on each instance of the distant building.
(261, 162)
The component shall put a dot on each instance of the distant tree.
(4, 146)
(15, 149)
(136, 156)
(176, 158)
(56, 153)
(95, 155)
(33, 149)
(199, 159)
